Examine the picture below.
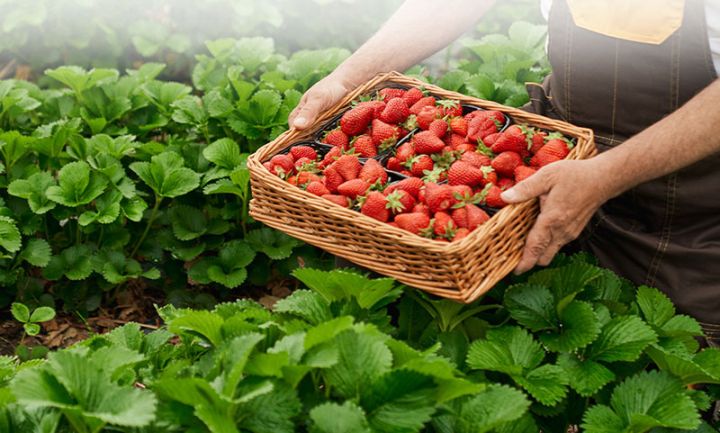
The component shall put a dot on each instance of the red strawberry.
(444, 225)
(298, 152)
(475, 159)
(423, 102)
(469, 216)
(419, 163)
(405, 151)
(538, 141)
(554, 150)
(454, 140)
(438, 197)
(330, 157)
(426, 116)
(414, 222)
(389, 93)
(493, 199)
(269, 166)
(460, 233)
(332, 179)
(353, 188)
(356, 120)
(411, 185)
(506, 162)
(348, 166)
(505, 183)
(336, 138)
(282, 165)
(512, 139)
(461, 191)
(377, 107)
(305, 177)
(412, 95)
(372, 172)
(459, 125)
(339, 200)
(491, 139)
(438, 127)
(393, 163)
(426, 142)
(383, 135)
(463, 173)
(400, 201)
(421, 208)
(395, 111)
(489, 175)
(317, 188)
(450, 108)
(375, 206)
(522, 172)
(364, 146)
(304, 164)
(292, 180)
(480, 127)
(495, 115)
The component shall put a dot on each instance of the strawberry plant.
(571, 345)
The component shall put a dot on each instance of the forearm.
(680, 139)
(415, 31)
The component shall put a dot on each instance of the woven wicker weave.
(461, 270)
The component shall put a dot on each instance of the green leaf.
(79, 79)
(224, 153)
(454, 80)
(510, 350)
(20, 312)
(77, 185)
(166, 175)
(547, 383)
(622, 339)
(251, 53)
(285, 404)
(10, 238)
(490, 408)
(36, 252)
(336, 418)
(338, 284)
(202, 323)
(32, 328)
(655, 306)
(702, 367)
(74, 262)
(42, 314)
(481, 86)
(187, 222)
(189, 110)
(579, 326)
(362, 358)
(274, 244)
(587, 377)
(308, 305)
(532, 306)
(647, 400)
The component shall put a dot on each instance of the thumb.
(306, 114)
(534, 186)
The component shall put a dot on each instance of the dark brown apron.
(664, 233)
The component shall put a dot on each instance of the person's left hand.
(570, 192)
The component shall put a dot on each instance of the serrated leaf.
(36, 252)
(305, 304)
(681, 325)
(547, 384)
(188, 222)
(532, 306)
(31, 328)
(33, 189)
(166, 175)
(336, 418)
(202, 323)
(587, 377)
(10, 238)
(285, 406)
(224, 153)
(579, 326)
(338, 284)
(77, 185)
(655, 306)
(274, 244)
(491, 408)
(703, 367)
(623, 339)
(230, 279)
(510, 350)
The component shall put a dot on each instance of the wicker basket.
(461, 270)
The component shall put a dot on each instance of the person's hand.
(570, 192)
(323, 95)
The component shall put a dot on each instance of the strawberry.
(330, 157)
(389, 93)
(493, 199)
(339, 200)
(426, 116)
(497, 116)
(395, 112)
(475, 159)
(480, 127)
(383, 135)
(376, 106)
(505, 183)
(405, 151)
(423, 102)
(554, 150)
(460, 233)
(393, 224)
(454, 140)
(538, 141)
(469, 216)
(491, 139)
(522, 172)
(298, 152)
(414, 222)
(443, 224)
(411, 185)
(450, 108)
(462, 192)
(489, 175)
(438, 197)
(269, 166)
(400, 201)
(428, 143)
(393, 163)
(506, 162)
(463, 173)
(356, 120)
(332, 179)
(412, 95)
(512, 139)
(375, 206)
(337, 138)
(305, 177)
(438, 127)
(364, 146)
(459, 125)
(292, 180)
(353, 188)
(348, 166)
(282, 165)
(304, 164)
(421, 208)
(316, 187)
(373, 172)
(418, 164)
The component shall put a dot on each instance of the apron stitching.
(568, 62)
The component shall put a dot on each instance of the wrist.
(608, 176)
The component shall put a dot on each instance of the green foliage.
(327, 359)
(31, 320)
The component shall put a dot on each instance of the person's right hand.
(323, 95)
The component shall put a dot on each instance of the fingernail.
(509, 195)
(300, 122)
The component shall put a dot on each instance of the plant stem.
(77, 231)
(151, 219)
